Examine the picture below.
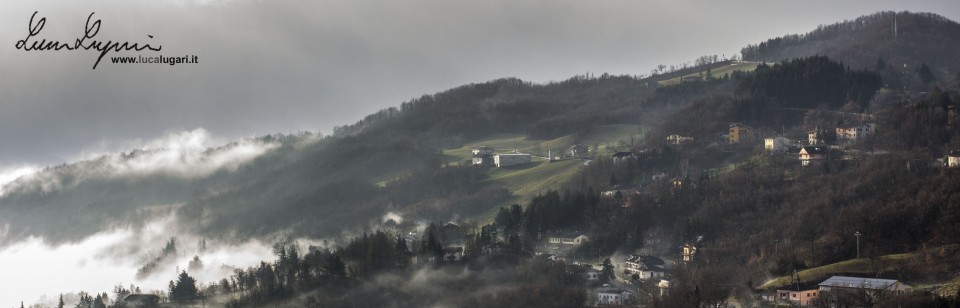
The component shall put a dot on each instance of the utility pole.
(858, 243)
(894, 25)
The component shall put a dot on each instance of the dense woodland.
(917, 38)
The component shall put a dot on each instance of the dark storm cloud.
(277, 66)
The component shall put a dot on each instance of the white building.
(645, 267)
(776, 145)
(613, 296)
(502, 160)
(567, 238)
(953, 159)
(836, 283)
(482, 159)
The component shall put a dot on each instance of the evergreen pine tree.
(184, 289)
(606, 273)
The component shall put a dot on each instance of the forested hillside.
(892, 43)
(301, 183)
(755, 213)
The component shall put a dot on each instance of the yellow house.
(740, 133)
(688, 250)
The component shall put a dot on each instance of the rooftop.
(859, 282)
(141, 298)
(814, 150)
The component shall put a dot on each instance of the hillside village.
(648, 276)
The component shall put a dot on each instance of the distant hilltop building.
(502, 160)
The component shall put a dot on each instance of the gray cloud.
(279, 66)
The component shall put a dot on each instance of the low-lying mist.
(185, 154)
(34, 271)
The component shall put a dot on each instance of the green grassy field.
(503, 143)
(605, 136)
(608, 135)
(717, 72)
(528, 180)
(862, 266)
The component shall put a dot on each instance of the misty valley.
(818, 169)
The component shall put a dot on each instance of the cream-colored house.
(953, 159)
(568, 238)
(776, 145)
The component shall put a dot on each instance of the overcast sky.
(281, 66)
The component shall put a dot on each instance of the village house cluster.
(834, 288)
(818, 145)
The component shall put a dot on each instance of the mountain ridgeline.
(391, 161)
(900, 40)
(754, 213)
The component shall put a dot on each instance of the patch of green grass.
(716, 72)
(602, 136)
(861, 266)
(503, 143)
(607, 135)
(528, 180)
